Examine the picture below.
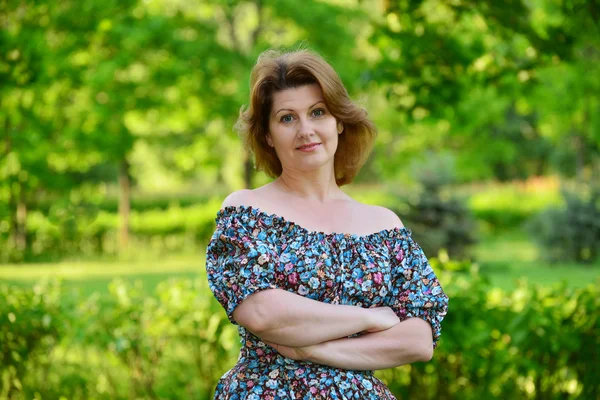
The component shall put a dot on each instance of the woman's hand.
(382, 318)
(295, 353)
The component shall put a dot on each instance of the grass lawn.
(511, 256)
(91, 277)
(504, 258)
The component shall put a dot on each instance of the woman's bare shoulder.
(248, 197)
(242, 197)
(383, 218)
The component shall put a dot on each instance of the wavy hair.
(276, 71)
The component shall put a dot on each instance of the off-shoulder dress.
(252, 250)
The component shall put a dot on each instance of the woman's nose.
(305, 128)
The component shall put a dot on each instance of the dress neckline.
(255, 211)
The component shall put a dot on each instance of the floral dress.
(252, 251)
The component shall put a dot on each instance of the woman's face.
(302, 130)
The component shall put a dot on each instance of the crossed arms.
(301, 328)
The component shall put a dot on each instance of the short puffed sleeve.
(239, 262)
(416, 290)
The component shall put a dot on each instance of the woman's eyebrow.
(289, 109)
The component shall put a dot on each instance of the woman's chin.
(315, 166)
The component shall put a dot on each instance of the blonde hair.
(276, 71)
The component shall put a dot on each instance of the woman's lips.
(309, 147)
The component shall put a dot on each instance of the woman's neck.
(316, 188)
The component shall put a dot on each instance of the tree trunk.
(16, 203)
(248, 171)
(579, 155)
(124, 204)
(245, 50)
(21, 219)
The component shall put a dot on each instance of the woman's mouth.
(309, 147)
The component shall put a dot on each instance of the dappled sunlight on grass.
(89, 269)
(507, 247)
(505, 259)
(92, 276)
(512, 256)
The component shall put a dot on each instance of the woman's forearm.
(404, 343)
(288, 319)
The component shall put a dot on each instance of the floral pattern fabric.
(251, 251)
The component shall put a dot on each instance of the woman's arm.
(404, 343)
(285, 318)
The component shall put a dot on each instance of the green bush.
(78, 230)
(509, 206)
(572, 232)
(531, 343)
(139, 203)
(32, 324)
(125, 345)
(439, 222)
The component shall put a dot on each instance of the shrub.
(150, 338)
(32, 323)
(509, 205)
(439, 221)
(77, 230)
(531, 343)
(572, 232)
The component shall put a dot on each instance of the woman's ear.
(269, 140)
(340, 127)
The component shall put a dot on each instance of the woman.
(324, 289)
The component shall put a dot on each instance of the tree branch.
(254, 36)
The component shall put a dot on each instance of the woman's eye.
(287, 118)
(318, 112)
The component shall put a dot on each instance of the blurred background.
(117, 148)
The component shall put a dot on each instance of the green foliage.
(125, 345)
(96, 91)
(177, 330)
(33, 323)
(530, 343)
(570, 233)
(439, 222)
(443, 262)
(508, 206)
(80, 230)
(139, 203)
(511, 88)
